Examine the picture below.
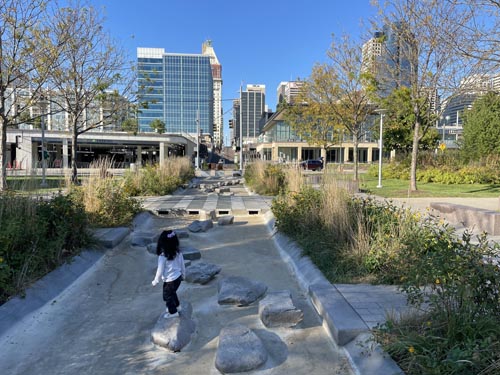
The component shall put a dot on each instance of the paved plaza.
(95, 316)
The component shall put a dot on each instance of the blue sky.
(256, 41)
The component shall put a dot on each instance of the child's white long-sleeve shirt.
(170, 270)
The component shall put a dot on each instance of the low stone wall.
(481, 219)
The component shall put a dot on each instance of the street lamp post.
(241, 133)
(381, 145)
(44, 163)
(197, 160)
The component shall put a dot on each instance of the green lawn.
(33, 184)
(399, 189)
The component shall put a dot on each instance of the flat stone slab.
(226, 220)
(343, 322)
(174, 333)
(277, 310)
(239, 350)
(190, 253)
(110, 237)
(143, 238)
(240, 291)
(201, 273)
(483, 220)
(200, 226)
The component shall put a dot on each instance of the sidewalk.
(98, 320)
(101, 323)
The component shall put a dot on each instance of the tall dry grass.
(104, 197)
(294, 179)
(343, 219)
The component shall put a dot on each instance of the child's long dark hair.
(168, 244)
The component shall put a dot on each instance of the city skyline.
(259, 43)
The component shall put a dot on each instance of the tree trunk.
(414, 155)
(74, 147)
(3, 157)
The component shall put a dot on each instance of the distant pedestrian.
(171, 270)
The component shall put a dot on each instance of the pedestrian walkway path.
(210, 193)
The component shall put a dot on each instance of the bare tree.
(337, 96)
(92, 78)
(24, 65)
(419, 55)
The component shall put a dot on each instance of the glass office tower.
(177, 89)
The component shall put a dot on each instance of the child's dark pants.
(170, 294)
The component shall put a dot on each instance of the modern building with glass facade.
(252, 108)
(176, 89)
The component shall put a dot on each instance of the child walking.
(171, 270)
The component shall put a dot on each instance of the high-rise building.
(288, 91)
(252, 106)
(372, 52)
(218, 130)
(177, 89)
(386, 56)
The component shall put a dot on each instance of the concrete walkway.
(98, 319)
(101, 323)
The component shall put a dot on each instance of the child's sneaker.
(168, 315)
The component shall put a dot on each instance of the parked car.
(314, 165)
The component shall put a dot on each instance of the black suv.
(314, 165)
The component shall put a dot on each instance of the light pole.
(197, 162)
(44, 164)
(380, 145)
(241, 134)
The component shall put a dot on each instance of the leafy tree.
(421, 57)
(24, 65)
(398, 122)
(130, 125)
(337, 95)
(158, 126)
(481, 136)
(89, 72)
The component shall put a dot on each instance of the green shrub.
(106, 202)
(158, 180)
(35, 237)
(265, 178)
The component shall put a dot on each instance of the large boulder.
(200, 226)
(174, 333)
(143, 238)
(226, 220)
(277, 310)
(201, 273)
(240, 291)
(190, 253)
(239, 350)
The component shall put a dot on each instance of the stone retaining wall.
(478, 218)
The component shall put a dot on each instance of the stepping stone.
(143, 239)
(225, 220)
(201, 273)
(239, 350)
(200, 226)
(174, 333)
(240, 291)
(278, 310)
(190, 253)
